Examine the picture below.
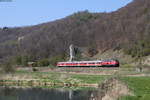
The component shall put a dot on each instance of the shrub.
(21, 60)
(25, 60)
(34, 69)
(18, 60)
(139, 49)
(8, 67)
(54, 60)
(127, 66)
(35, 64)
(52, 66)
(43, 62)
(92, 51)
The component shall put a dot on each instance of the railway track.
(89, 68)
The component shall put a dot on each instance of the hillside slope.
(127, 28)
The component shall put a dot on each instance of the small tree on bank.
(7, 66)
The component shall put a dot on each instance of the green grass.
(59, 77)
(91, 79)
(139, 86)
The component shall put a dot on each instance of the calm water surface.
(44, 94)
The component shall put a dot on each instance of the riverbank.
(137, 82)
(67, 76)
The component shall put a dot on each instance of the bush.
(8, 67)
(92, 52)
(54, 60)
(21, 60)
(35, 64)
(43, 62)
(34, 69)
(25, 60)
(139, 49)
(18, 60)
(127, 66)
(52, 66)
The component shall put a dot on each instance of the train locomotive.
(97, 63)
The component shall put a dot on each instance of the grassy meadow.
(139, 87)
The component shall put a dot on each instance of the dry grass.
(112, 89)
(119, 89)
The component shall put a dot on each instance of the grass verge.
(139, 86)
(57, 78)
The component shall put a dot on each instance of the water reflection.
(45, 94)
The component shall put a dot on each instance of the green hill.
(127, 29)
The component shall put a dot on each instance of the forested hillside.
(128, 29)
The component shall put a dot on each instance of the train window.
(91, 63)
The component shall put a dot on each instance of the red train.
(97, 63)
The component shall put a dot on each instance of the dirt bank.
(111, 89)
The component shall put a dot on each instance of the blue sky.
(32, 12)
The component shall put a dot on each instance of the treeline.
(26, 61)
(139, 49)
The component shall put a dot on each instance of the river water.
(45, 94)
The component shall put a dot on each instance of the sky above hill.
(32, 12)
